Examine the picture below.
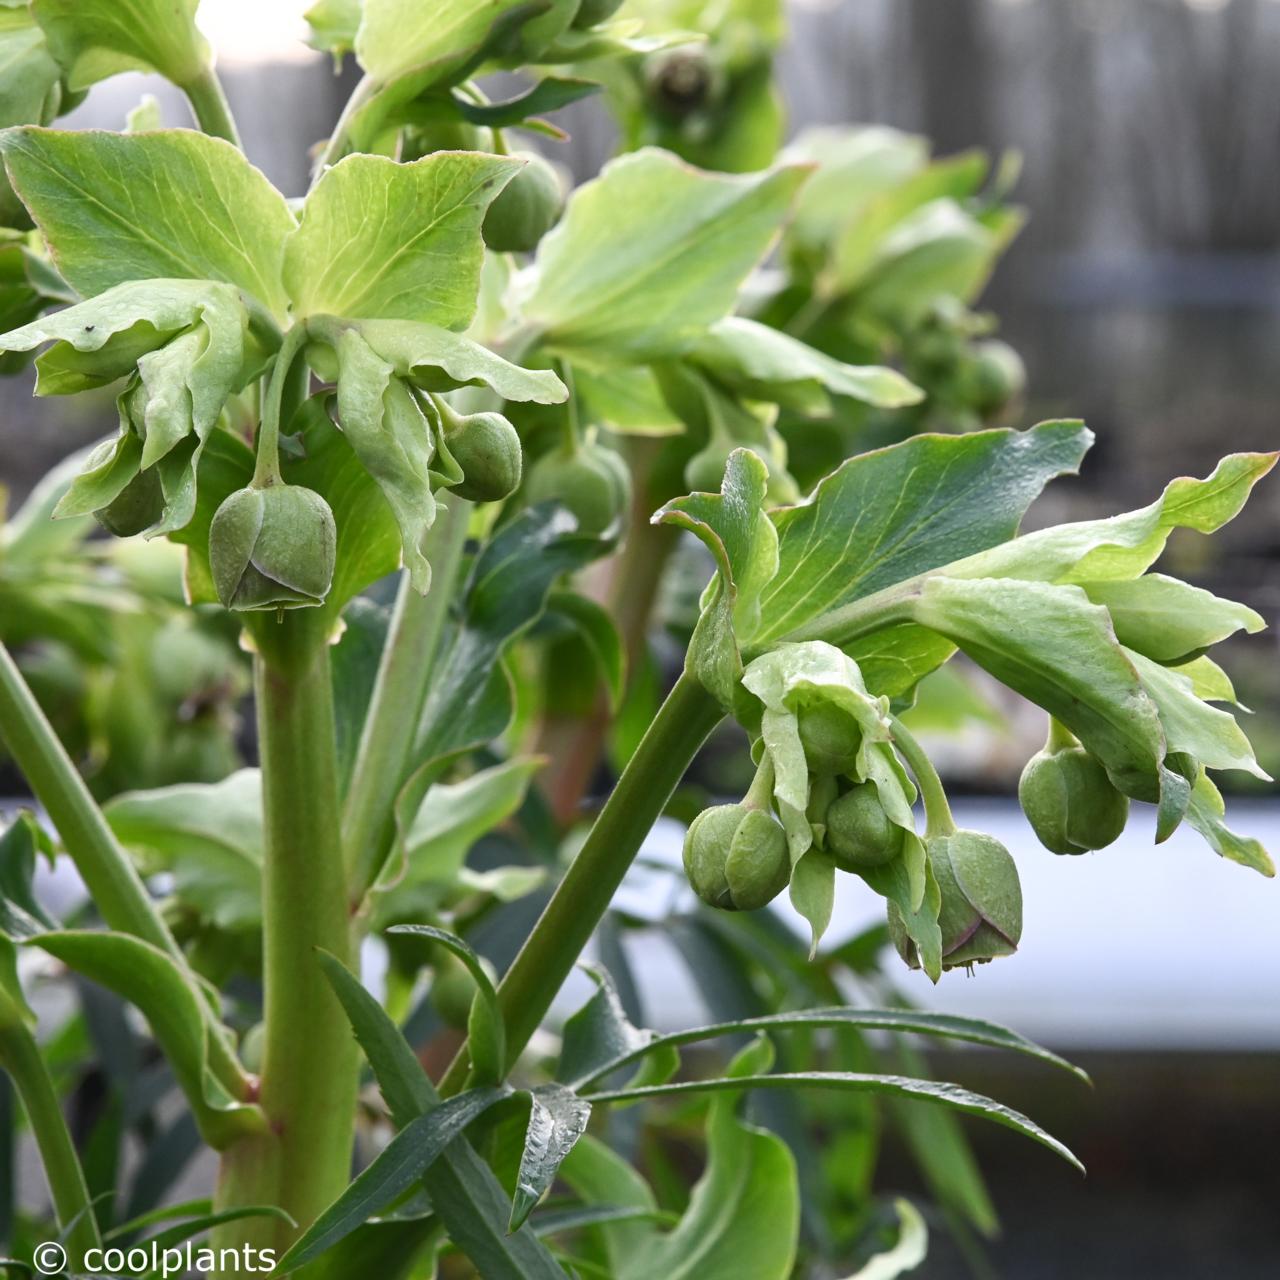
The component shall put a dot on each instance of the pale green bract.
(95, 39)
(650, 254)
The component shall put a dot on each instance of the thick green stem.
(111, 879)
(309, 1056)
(937, 812)
(395, 709)
(210, 107)
(20, 1057)
(682, 725)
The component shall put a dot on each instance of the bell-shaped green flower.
(591, 480)
(487, 449)
(981, 913)
(736, 857)
(1071, 803)
(526, 208)
(859, 833)
(272, 548)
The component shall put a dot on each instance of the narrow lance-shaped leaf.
(486, 1034)
(557, 1119)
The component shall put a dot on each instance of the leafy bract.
(381, 240)
(557, 1119)
(95, 39)
(437, 359)
(1055, 648)
(30, 78)
(889, 515)
(733, 524)
(1169, 620)
(395, 442)
(1124, 546)
(1207, 814)
(651, 253)
(766, 364)
(174, 204)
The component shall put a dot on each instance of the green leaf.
(152, 982)
(1169, 620)
(947, 1095)
(398, 37)
(30, 79)
(208, 837)
(487, 1039)
(597, 628)
(21, 916)
(886, 516)
(396, 1170)
(381, 240)
(651, 253)
(599, 1176)
(991, 1035)
(463, 1190)
(1207, 814)
(557, 1119)
(436, 840)
(95, 39)
(1055, 648)
(599, 1037)
(743, 1217)
(766, 364)
(907, 1253)
(168, 205)
(543, 98)
(184, 1231)
(733, 525)
(1124, 546)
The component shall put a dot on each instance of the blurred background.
(1144, 296)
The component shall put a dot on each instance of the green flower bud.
(824, 791)
(994, 376)
(138, 506)
(736, 857)
(487, 448)
(859, 832)
(981, 915)
(272, 548)
(1071, 803)
(526, 208)
(593, 482)
(593, 12)
(830, 736)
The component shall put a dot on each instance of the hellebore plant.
(316, 396)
